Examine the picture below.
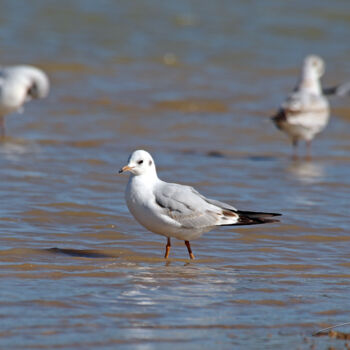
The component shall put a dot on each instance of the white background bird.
(305, 112)
(174, 210)
(20, 84)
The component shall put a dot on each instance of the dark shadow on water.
(81, 253)
(212, 153)
(216, 154)
(260, 158)
(219, 154)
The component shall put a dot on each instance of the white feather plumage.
(18, 85)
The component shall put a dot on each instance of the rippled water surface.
(193, 82)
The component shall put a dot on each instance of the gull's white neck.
(310, 82)
(147, 179)
(140, 189)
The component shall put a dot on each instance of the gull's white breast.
(13, 94)
(141, 201)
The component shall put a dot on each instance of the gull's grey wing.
(294, 102)
(219, 204)
(292, 106)
(300, 102)
(187, 206)
(192, 210)
(338, 90)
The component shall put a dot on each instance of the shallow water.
(193, 83)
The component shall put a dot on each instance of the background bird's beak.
(125, 168)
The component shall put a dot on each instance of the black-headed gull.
(174, 210)
(305, 112)
(19, 84)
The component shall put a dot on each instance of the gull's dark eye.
(140, 162)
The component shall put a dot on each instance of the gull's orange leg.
(295, 148)
(167, 248)
(2, 126)
(189, 249)
(308, 150)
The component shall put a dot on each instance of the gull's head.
(139, 163)
(33, 79)
(39, 83)
(315, 65)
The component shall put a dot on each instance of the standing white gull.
(20, 84)
(305, 112)
(174, 210)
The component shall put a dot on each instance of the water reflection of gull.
(15, 149)
(201, 281)
(307, 171)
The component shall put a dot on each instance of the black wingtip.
(256, 218)
(257, 213)
(338, 90)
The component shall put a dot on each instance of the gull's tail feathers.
(255, 218)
